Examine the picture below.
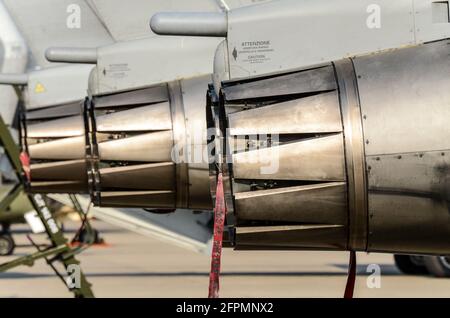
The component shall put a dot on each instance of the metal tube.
(14, 79)
(71, 55)
(190, 24)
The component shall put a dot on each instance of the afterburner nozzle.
(209, 24)
(71, 55)
(14, 79)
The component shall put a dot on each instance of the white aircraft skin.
(13, 59)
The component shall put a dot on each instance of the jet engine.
(139, 144)
(54, 139)
(352, 154)
(330, 140)
(126, 149)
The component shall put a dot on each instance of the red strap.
(219, 222)
(25, 160)
(350, 287)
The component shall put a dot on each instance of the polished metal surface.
(180, 146)
(150, 147)
(143, 146)
(154, 176)
(57, 111)
(319, 237)
(59, 149)
(196, 137)
(146, 118)
(58, 128)
(139, 148)
(143, 199)
(315, 204)
(316, 159)
(422, 173)
(354, 155)
(199, 191)
(59, 176)
(130, 143)
(404, 103)
(54, 139)
(409, 192)
(288, 180)
(155, 94)
(377, 180)
(360, 149)
(404, 98)
(408, 224)
(315, 114)
(59, 170)
(57, 187)
(130, 151)
(315, 80)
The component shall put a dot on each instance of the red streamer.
(219, 222)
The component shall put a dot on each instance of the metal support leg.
(59, 248)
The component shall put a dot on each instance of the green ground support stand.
(59, 250)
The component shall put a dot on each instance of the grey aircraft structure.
(53, 94)
(360, 127)
(51, 91)
(343, 182)
(332, 180)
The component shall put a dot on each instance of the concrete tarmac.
(132, 265)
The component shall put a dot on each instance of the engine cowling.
(126, 149)
(54, 138)
(360, 147)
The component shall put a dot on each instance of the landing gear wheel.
(7, 244)
(438, 266)
(94, 237)
(409, 264)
